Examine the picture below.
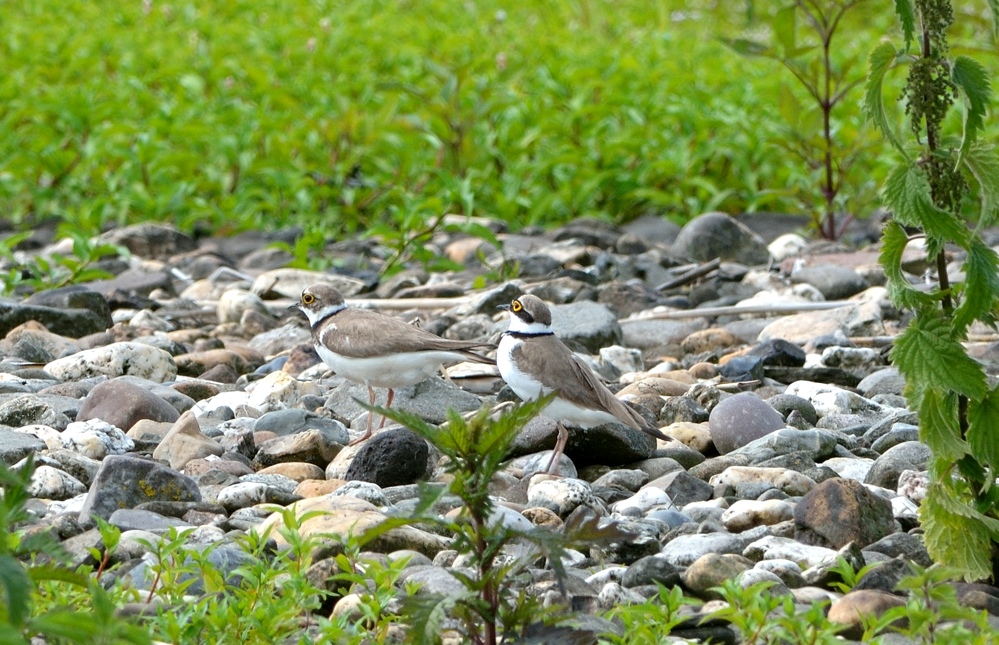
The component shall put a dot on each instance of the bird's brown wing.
(576, 382)
(365, 334)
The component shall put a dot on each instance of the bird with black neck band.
(377, 350)
(534, 362)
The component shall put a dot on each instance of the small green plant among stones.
(38, 273)
(493, 607)
(31, 565)
(946, 175)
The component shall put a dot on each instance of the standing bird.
(534, 362)
(374, 349)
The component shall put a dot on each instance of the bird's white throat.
(320, 314)
(518, 326)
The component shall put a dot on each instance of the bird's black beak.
(504, 307)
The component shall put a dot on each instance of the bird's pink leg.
(388, 404)
(367, 433)
(560, 441)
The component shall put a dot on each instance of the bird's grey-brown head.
(319, 301)
(529, 314)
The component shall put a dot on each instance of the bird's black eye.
(516, 306)
(308, 298)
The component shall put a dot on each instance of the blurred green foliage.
(376, 116)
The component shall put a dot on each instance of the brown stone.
(857, 606)
(841, 511)
(185, 442)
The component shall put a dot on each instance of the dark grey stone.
(741, 419)
(717, 235)
(15, 446)
(651, 570)
(832, 280)
(391, 458)
(126, 482)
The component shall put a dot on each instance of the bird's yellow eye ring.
(516, 306)
(307, 298)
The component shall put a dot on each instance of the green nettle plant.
(491, 609)
(931, 190)
(818, 131)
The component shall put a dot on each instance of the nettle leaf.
(983, 419)
(893, 242)
(784, 25)
(938, 425)
(981, 271)
(982, 162)
(962, 542)
(881, 60)
(907, 193)
(747, 47)
(907, 16)
(928, 355)
(973, 80)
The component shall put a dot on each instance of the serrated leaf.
(928, 355)
(907, 16)
(938, 424)
(981, 160)
(881, 60)
(893, 242)
(973, 80)
(954, 539)
(907, 193)
(981, 287)
(983, 419)
(747, 47)
(783, 26)
(16, 590)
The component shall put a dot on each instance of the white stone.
(367, 491)
(779, 566)
(850, 357)
(561, 495)
(903, 508)
(854, 468)
(772, 548)
(750, 577)
(696, 436)
(643, 500)
(116, 359)
(243, 495)
(829, 399)
(613, 594)
(51, 483)
(96, 439)
(235, 302)
(290, 283)
(788, 481)
(786, 246)
(231, 400)
(747, 513)
(507, 518)
(612, 573)
(913, 484)
(279, 390)
(623, 359)
(71, 506)
(48, 434)
(146, 319)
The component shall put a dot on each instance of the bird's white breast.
(524, 385)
